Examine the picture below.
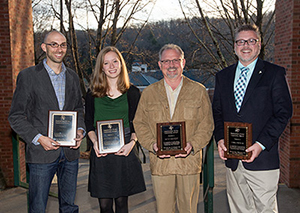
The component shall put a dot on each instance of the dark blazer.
(267, 105)
(33, 98)
(133, 97)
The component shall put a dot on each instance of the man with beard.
(48, 86)
(175, 98)
(256, 92)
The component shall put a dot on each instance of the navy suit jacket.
(33, 98)
(267, 105)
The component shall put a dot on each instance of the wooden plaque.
(171, 138)
(237, 138)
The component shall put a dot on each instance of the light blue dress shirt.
(59, 84)
(249, 74)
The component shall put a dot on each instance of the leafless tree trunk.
(109, 15)
(61, 16)
(74, 46)
(101, 22)
(113, 38)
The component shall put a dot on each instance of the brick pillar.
(16, 53)
(287, 54)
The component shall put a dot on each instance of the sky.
(165, 10)
(168, 9)
(162, 10)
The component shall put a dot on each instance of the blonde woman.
(113, 177)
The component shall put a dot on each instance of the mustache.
(172, 68)
(246, 48)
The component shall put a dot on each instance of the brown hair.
(248, 27)
(99, 84)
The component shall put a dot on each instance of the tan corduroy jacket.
(193, 106)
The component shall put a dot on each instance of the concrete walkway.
(14, 200)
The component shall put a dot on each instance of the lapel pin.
(260, 72)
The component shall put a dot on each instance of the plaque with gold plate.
(171, 138)
(237, 138)
(62, 127)
(110, 135)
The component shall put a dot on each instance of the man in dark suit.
(265, 102)
(48, 86)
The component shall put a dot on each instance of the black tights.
(106, 205)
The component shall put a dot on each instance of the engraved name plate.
(171, 138)
(237, 138)
(110, 135)
(62, 127)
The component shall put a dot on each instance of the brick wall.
(287, 54)
(16, 53)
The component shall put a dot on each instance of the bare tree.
(233, 14)
(74, 46)
(113, 18)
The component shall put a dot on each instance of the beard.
(251, 57)
(173, 72)
(54, 59)
(51, 55)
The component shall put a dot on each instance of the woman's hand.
(94, 140)
(95, 146)
(126, 149)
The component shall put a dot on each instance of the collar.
(250, 66)
(170, 88)
(51, 72)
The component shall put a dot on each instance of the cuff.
(36, 138)
(262, 146)
(84, 132)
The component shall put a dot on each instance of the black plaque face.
(171, 138)
(62, 127)
(238, 137)
(110, 136)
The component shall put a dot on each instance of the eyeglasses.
(250, 41)
(56, 45)
(174, 61)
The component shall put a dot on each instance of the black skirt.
(115, 176)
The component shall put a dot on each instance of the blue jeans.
(40, 178)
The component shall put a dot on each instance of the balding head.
(52, 33)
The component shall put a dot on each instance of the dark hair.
(47, 35)
(247, 27)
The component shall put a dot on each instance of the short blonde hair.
(170, 47)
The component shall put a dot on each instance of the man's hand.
(48, 143)
(155, 148)
(78, 139)
(222, 149)
(188, 150)
(256, 150)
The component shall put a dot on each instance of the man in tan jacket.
(175, 99)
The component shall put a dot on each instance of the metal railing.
(208, 176)
(16, 159)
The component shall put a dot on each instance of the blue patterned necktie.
(240, 88)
